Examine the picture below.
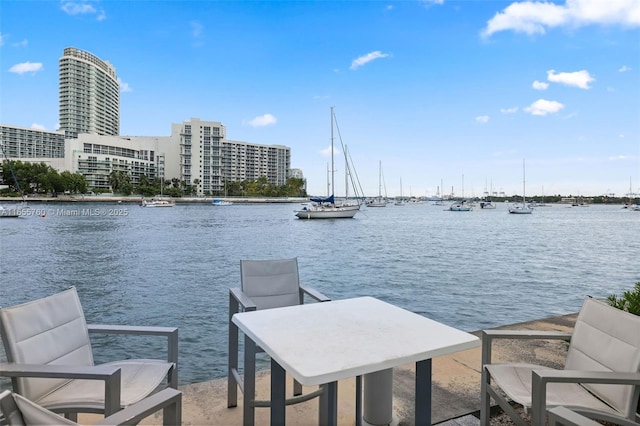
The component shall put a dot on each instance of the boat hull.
(327, 212)
(520, 210)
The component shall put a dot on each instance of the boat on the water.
(379, 201)
(219, 202)
(487, 204)
(460, 206)
(521, 208)
(326, 208)
(13, 210)
(158, 203)
(9, 212)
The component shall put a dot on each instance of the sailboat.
(326, 208)
(13, 211)
(462, 205)
(521, 208)
(159, 201)
(379, 202)
(400, 201)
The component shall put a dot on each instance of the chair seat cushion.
(138, 379)
(515, 382)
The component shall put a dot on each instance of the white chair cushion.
(606, 339)
(139, 378)
(271, 283)
(33, 414)
(51, 330)
(515, 382)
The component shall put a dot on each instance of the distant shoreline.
(138, 199)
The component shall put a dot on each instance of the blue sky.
(458, 92)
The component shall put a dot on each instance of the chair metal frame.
(543, 377)
(110, 375)
(168, 400)
(241, 302)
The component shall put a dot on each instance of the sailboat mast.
(380, 179)
(523, 183)
(332, 165)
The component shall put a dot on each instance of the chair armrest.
(109, 374)
(236, 294)
(564, 416)
(170, 332)
(134, 413)
(488, 336)
(540, 379)
(132, 329)
(315, 294)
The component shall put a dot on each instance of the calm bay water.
(174, 266)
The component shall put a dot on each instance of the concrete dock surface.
(455, 389)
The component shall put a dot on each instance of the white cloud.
(482, 119)
(22, 43)
(82, 8)
(430, 2)
(327, 151)
(2, 39)
(262, 120)
(579, 79)
(535, 17)
(540, 85)
(544, 107)
(26, 67)
(124, 87)
(38, 126)
(196, 29)
(509, 110)
(362, 60)
(618, 157)
(624, 69)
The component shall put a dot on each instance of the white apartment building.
(208, 160)
(31, 144)
(96, 156)
(89, 95)
(195, 152)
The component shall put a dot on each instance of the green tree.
(629, 301)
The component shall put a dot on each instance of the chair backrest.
(52, 331)
(19, 411)
(271, 283)
(606, 339)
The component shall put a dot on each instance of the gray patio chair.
(600, 379)
(264, 284)
(50, 359)
(17, 410)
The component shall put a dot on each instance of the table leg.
(423, 393)
(249, 391)
(328, 405)
(358, 400)
(378, 397)
(278, 403)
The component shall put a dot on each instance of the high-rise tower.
(89, 95)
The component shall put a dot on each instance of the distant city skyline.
(436, 90)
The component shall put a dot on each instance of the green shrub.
(629, 301)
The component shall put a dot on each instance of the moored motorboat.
(9, 212)
(158, 203)
(219, 202)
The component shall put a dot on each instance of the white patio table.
(321, 343)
